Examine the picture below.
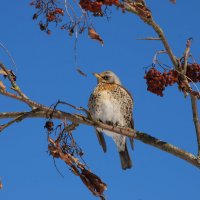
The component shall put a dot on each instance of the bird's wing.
(131, 121)
(98, 133)
(101, 140)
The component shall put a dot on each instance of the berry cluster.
(91, 6)
(157, 81)
(193, 72)
(96, 6)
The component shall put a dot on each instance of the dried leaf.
(1, 185)
(2, 86)
(94, 35)
(173, 1)
(80, 72)
(91, 181)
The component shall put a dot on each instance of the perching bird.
(112, 104)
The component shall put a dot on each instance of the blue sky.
(46, 72)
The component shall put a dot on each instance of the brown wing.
(131, 125)
(98, 133)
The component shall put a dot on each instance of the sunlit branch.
(80, 119)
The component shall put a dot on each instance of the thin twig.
(66, 9)
(186, 55)
(75, 107)
(161, 35)
(54, 162)
(196, 122)
(17, 119)
(148, 38)
(9, 54)
(2, 127)
(130, 8)
(15, 87)
(155, 60)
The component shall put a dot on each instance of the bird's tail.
(126, 162)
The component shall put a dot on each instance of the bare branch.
(15, 87)
(9, 54)
(186, 55)
(2, 127)
(130, 7)
(196, 122)
(161, 35)
(155, 59)
(148, 38)
(164, 146)
(143, 137)
(18, 118)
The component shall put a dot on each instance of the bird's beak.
(97, 76)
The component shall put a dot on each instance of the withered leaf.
(173, 1)
(94, 35)
(1, 185)
(2, 86)
(80, 72)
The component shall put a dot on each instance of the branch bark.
(15, 87)
(143, 137)
(46, 112)
(196, 123)
(132, 7)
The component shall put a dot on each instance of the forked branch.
(147, 17)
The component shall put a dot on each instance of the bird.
(112, 104)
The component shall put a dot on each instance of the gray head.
(107, 77)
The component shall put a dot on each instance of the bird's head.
(107, 77)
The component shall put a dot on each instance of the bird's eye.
(106, 77)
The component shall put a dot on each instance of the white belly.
(109, 111)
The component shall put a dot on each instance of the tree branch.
(132, 7)
(161, 35)
(15, 87)
(143, 137)
(186, 55)
(18, 117)
(196, 122)
(145, 14)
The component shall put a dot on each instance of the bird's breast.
(107, 109)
